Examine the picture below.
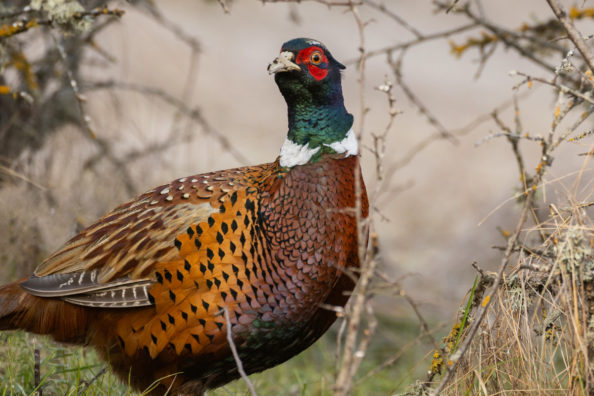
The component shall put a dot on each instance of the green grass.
(66, 369)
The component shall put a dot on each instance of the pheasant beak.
(283, 63)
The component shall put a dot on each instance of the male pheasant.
(156, 283)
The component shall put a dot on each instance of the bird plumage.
(151, 283)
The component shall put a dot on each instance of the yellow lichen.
(481, 43)
(20, 62)
(9, 30)
(436, 363)
(17, 27)
(451, 338)
(581, 136)
(485, 301)
(576, 13)
(31, 23)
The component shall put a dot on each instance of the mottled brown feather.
(266, 243)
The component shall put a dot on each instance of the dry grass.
(538, 337)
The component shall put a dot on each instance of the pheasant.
(254, 253)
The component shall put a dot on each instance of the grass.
(538, 339)
(65, 370)
(539, 335)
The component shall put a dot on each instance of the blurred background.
(180, 87)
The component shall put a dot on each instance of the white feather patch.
(348, 145)
(292, 154)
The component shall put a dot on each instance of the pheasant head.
(309, 78)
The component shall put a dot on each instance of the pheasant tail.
(21, 310)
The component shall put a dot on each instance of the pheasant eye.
(316, 58)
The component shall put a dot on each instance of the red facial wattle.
(318, 71)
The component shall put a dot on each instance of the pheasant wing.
(111, 263)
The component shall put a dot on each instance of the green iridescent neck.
(318, 124)
(317, 115)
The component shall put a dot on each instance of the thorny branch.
(8, 30)
(513, 138)
(530, 189)
(86, 119)
(172, 26)
(399, 20)
(562, 88)
(353, 353)
(194, 114)
(509, 38)
(573, 33)
(329, 3)
(419, 40)
(397, 70)
(487, 300)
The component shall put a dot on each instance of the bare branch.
(236, 355)
(224, 6)
(573, 33)
(563, 88)
(84, 385)
(407, 44)
(86, 119)
(401, 21)
(194, 114)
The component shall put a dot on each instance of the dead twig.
(238, 362)
(9, 30)
(194, 114)
(391, 14)
(329, 3)
(562, 88)
(407, 44)
(172, 26)
(13, 173)
(80, 99)
(224, 6)
(573, 33)
(397, 69)
(353, 352)
(84, 385)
